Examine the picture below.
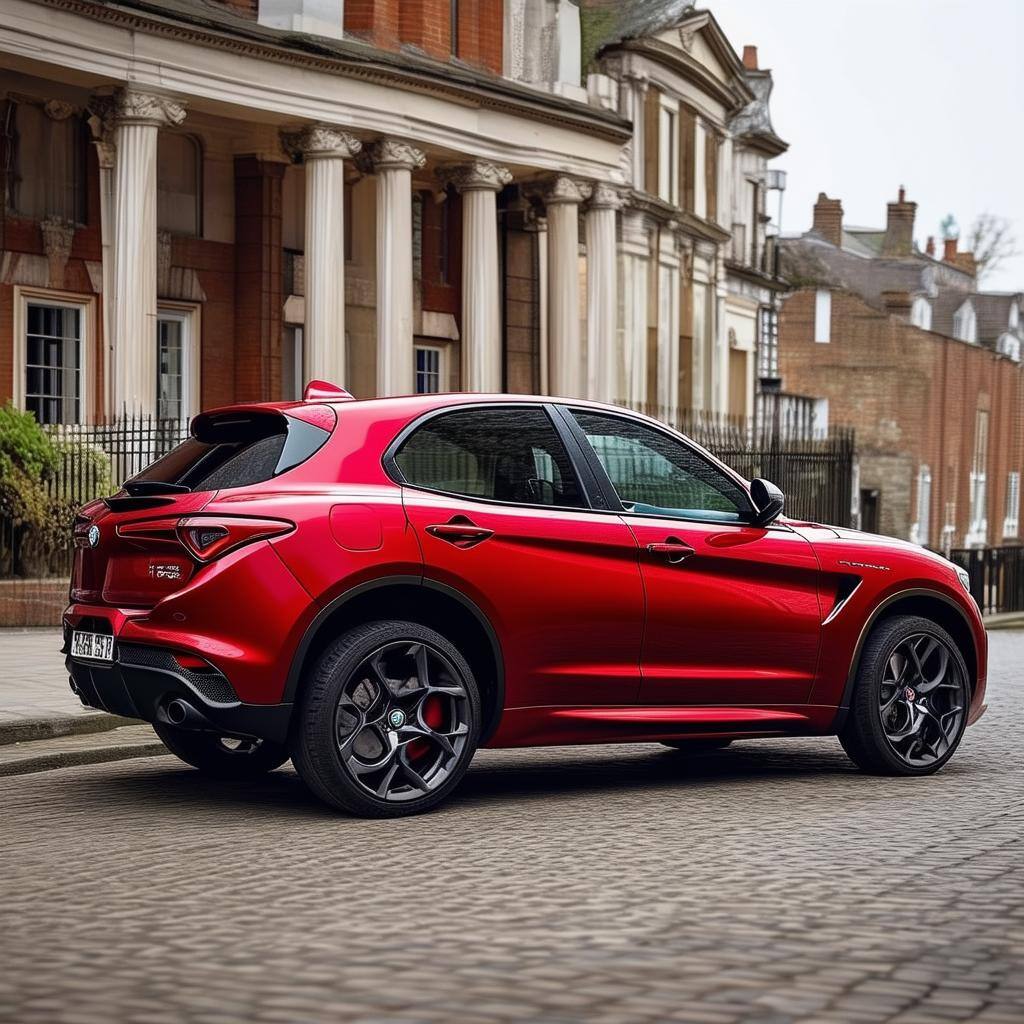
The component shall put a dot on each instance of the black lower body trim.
(135, 691)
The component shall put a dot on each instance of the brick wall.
(913, 398)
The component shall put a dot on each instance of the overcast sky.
(872, 94)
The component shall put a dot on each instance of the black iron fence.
(814, 466)
(815, 471)
(86, 462)
(997, 577)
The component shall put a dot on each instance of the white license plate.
(97, 646)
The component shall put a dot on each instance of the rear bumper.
(143, 681)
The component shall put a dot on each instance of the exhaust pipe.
(183, 715)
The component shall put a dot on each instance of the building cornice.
(357, 60)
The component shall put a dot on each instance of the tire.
(221, 757)
(696, 746)
(388, 721)
(889, 676)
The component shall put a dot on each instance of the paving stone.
(770, 882)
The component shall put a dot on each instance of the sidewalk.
(43, 725)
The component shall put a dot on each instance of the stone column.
(479, 184)
(324, 149)
(566, 371)
(636, 256)
(102, 129)
(394, 163)
(605, 365)
(137, 116)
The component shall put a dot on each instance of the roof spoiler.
(325, 391)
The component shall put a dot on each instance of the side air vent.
(845, 587)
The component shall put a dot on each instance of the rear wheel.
(389, 721)
(222, 757)
(696, 746)
(910, 701)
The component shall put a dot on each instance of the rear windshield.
(233, 450)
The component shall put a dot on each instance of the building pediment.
(696, 49)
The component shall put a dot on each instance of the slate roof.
(994, 313)
(606, 22)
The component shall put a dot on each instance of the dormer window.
(921, 313)
(965, 323)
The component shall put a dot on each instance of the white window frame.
(442, 366)
(965, 323)
(977, 530)
(922, 527)
(668, 155)
(86, 305)
(823, 316)
(921, 313)
(298, 330)
(189, 315)
(700, 182)
(1011, 521)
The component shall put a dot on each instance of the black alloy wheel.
(910, 701)
(388, 720)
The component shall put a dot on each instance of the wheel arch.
(425, 601)
(929, 604)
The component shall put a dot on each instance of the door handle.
(460, 532)
(673, 550)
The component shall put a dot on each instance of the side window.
(656, 475)
(504, 454)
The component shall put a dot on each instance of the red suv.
(376, 588)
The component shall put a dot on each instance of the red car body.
(578, 631)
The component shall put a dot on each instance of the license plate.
(96, 646)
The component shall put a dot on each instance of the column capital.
(562, 189)
(393, 154)
(605, 196)
(131, 106)
(476, 176)
(313, 141)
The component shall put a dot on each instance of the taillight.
(209, 537)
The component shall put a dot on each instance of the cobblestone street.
(769, 882)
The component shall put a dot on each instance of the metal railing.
(91, 462)
(997, 577)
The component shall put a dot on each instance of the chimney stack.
(899, 227)
(828, 219)
(949, 250)
(750, 58)
(964, 261)
(930, 247)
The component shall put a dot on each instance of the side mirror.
(768, 500)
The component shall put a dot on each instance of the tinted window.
(655, 474)
(235, 450)
(505, 454)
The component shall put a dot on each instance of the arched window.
(179, 179)
(43, 149)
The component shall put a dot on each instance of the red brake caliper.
(433, 715)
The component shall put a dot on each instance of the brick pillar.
(258, 279)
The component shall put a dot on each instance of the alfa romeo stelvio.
(375, 589)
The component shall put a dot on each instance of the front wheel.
(910, 700)
(389, 721)
(222, 757)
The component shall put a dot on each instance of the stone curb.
(1005, 620)
(25, 730)
(44, 761)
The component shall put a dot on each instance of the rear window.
(234, 450)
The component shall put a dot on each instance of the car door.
(501, 515)
(733, 616)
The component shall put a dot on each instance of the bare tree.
(992, 241)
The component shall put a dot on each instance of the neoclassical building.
(207, 202)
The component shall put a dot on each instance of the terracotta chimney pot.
(750, 58)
